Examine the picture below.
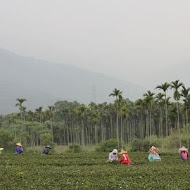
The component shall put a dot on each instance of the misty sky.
(127, 39)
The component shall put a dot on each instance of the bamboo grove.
(71, 122)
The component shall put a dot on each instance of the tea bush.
(91, 171)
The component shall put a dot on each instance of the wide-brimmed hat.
(183, 149)
(123, 151)
(18, 144)
(48, 146)
(115, 151)
(153, 148)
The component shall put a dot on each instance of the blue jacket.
(46, 150)
(154, 157)
(19, 150)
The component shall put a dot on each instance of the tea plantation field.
(91, 171)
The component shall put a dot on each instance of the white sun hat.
(115, 151)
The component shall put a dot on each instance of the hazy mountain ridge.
(42, 83)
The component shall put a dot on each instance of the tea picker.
(46, 149)
(19, 148)
(154, 156)
(183, 153)
(125, 160)
(1, 150)
(113, 156)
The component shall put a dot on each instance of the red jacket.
(125, 159)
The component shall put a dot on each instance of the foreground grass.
(91, 171)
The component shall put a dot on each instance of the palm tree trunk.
(166, 112)
(82, 135)
(121, 132)
(178, 128)
(52, 129)
(96, 134)
(147, 125)
(150, 125)
(117, 126)
(186, 113)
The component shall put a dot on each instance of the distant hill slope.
(42, 83)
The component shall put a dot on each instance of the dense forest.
(71, 122)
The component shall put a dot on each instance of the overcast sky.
(127, 39)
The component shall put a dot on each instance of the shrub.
(143, 145)
(175, 141)
(75, 148)
(154, 141)
(107, 146)
(139, 145)
(6, 140)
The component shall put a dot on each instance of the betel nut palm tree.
(164, 87)
(21, 107)
(118, 96)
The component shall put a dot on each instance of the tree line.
(71, 122)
